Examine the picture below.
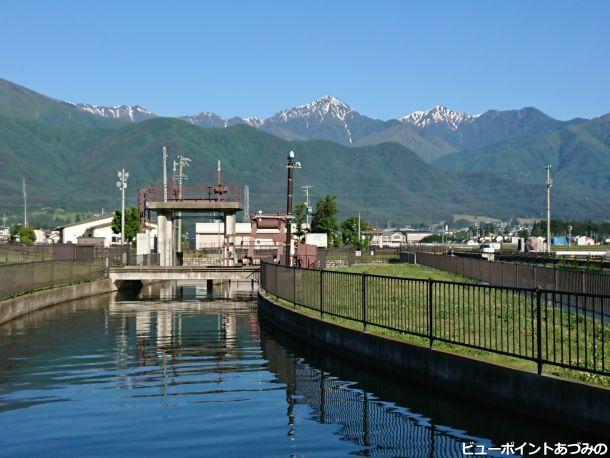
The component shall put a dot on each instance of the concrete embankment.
(573, 404)
(15, 307)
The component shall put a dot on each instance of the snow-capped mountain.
(208, 119)
(319, 110)
(132, 113)
(437, 115)
(430, 133)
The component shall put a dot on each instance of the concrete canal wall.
(576, 405)
(15, 307)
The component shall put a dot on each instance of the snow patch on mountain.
(437, 115)
(132, 113)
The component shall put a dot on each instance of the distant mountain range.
(457, 164)
(431, 134)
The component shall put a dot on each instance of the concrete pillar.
(230, 256)
(166, 239)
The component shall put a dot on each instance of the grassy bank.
(404, 270)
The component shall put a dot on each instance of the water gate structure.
(220, 199)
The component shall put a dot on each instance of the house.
(100, 227)
(416, 236)
(392, 239)
(93, 227)
(583, 240)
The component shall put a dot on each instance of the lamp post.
(122, 185)
(291, 166)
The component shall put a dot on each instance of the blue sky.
(248, 58)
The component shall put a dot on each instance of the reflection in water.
(183, 371)
(379, 428)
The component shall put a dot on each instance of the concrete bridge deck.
(184, 273)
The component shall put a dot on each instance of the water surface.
(180, 371)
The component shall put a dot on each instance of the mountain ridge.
(431, 133)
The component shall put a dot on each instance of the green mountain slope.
(579, 155)
(22, 103)
(77, 169)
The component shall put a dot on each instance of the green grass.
(404, 270)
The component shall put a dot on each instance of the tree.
(324, 220)
(349, 233)
(26, 234)
(300, 214)
(132, 223)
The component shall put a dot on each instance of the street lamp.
(122, 185)
(291, 166)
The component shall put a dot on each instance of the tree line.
(324, 220)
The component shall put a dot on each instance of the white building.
(583, 240)
(416, 236)
(100, 227)
(211, 235)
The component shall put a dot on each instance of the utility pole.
(549, 185)
(164, 174)
(25, 206)
(183, 161)
(359, 232)
(307, 203)
(246, 204)
(122, 185)
(291, 166)
(4, 228)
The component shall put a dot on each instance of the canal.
(181, 371)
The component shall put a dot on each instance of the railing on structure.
(16, 279)
(518, 275)
(190, 192)
(543, 326)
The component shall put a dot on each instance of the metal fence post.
(321, 293)
(430, 312)
(539, 331)
(364, 301)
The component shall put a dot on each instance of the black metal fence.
(543, 326)
(518, 275)
(20, 278)
(335, 257)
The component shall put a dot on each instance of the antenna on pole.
(549, 185)
(307, 203)
(25, 206)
